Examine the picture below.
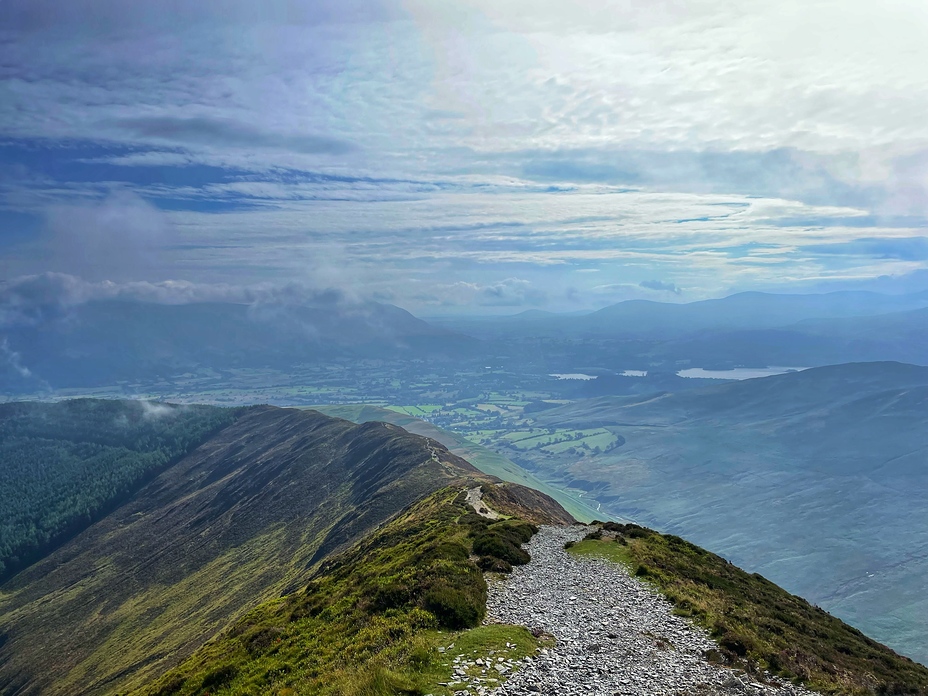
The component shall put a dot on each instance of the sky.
(487, 156)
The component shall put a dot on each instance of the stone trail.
(614, 635)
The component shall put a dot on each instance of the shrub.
(390, 596)
(260, 639)
(491, 544)
(450, 550)
(494, 565)
(453, 607)
(172, 686)
(219, 677)
(516, 531)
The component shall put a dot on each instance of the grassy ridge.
(244, 518)
(371, 620)
(485, 459)
(758, 625)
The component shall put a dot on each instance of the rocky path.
(615, 636)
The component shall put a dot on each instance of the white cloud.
(423, 123)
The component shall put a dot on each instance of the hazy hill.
(746, 310)
(246, 515)
(664, 321)
(103, 342)
(900, 336)
(812, 478)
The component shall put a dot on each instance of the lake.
(738, 372)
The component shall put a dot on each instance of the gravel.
(614, 635)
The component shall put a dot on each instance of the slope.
(488, 461)
(900, 336)
(242, 518)
(812, 478)
(757, 625)
(368, 621)
(64, 465)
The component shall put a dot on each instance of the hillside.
(65, 465)
(488, 461)
(810, 478)
(245, 516)
(899, 336)
(295, 553)
(757, 625)
(371, 620)
(746, 311)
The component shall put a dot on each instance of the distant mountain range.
(748, 329)
(746, 311)
(103, 342)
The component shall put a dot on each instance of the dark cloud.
(36, 299)
(221, 132)
(511, 292)
(125, 16)
(660, 286)
(32, 300)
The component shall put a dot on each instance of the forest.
(64, 465)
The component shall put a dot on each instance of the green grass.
(371, 621)
(758, 625)
(483, 641)
(609, 550)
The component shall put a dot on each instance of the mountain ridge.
(248, 513)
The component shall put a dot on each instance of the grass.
(486, 460)
(758, 625)
(372, 620)
(596, 548)
(491, 641)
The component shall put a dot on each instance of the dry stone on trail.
(615, 635)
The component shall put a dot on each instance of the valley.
(809, 477)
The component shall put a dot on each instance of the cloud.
(227, 133)
(902, 248)
(660, 286)
(12, 358)
(511, 292)
(153, 411)
(392, 147)
(120, 236)
(125, 16)
(37, 299)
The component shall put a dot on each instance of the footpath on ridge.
(615, 635)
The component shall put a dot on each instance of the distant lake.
(573, 375)
(738, 372)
